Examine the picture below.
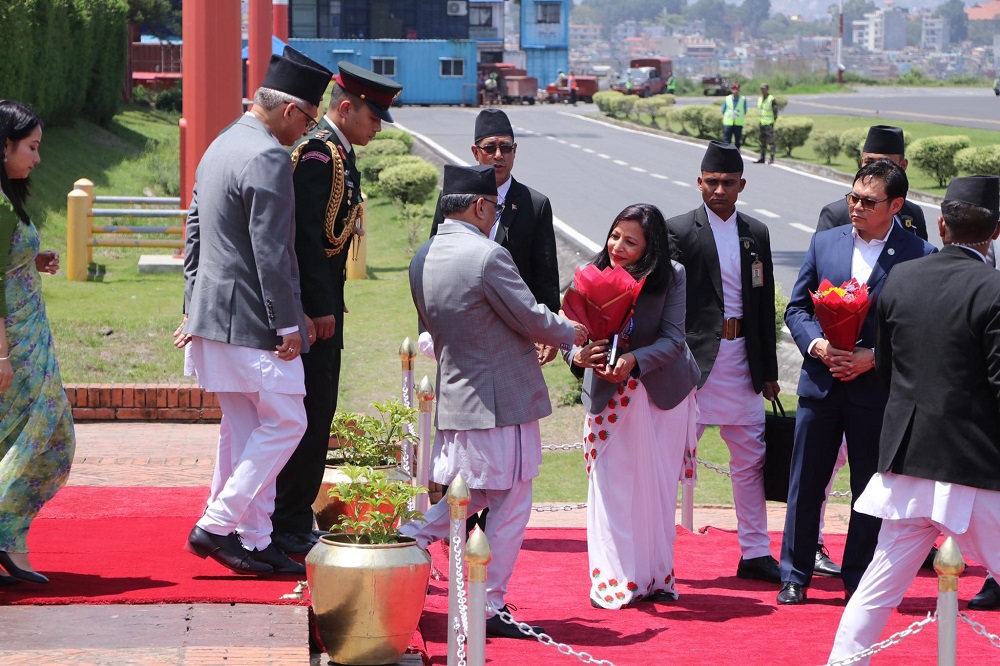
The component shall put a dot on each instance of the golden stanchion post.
(357, 263)
(425, 425)
(949, 565)
(88, 187)
(458, 501)
(77, 235)
(407, 354)
(477, 556)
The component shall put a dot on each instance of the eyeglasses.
(311, 123)
(496, 204)
(491, 148)
(866, 204)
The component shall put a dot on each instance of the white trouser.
(258, 434)
(746, 464)
(505, 524)
(902, 547)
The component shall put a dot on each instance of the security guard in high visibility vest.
(768, 114)
(734, 113)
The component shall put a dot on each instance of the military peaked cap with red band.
(376, 90)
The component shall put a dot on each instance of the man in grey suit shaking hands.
(484, 323)
(244, 328)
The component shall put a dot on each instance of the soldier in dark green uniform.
(327, 216)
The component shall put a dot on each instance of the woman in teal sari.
(36, 422)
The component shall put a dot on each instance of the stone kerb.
(142, 402)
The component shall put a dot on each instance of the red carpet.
(719, 619)
(103, 545)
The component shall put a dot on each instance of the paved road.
(591, 171)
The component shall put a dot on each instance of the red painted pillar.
(280, 19)
(212, 81)
(258, 43)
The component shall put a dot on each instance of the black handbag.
(779, 435)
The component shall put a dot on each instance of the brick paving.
(136, 453)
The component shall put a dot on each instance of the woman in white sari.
(641, 418)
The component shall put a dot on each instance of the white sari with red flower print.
(635, 453)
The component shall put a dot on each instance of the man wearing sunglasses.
(525, 225)
(327, 185)
(884, 142)
(839, 395)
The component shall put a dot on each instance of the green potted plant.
(367, 583)
(364, 441)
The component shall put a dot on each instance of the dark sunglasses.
(866, 204)
(491, 148)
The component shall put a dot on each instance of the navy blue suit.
(830, 409)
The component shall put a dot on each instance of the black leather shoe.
(824, 566)
(18, 572)
(988, 597)
(497, 628)
(294, 543)
(763, 568)
(791, 594)
(849, 592)
(660, 598)
(929, 560)
(281, 563)
(760, 161)
(593, 604)
(226, 550)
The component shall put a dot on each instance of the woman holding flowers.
(641, 417)
(36, 422)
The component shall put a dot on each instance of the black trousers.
(299, 481)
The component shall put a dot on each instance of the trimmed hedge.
(936, 156)
(851, 141)
(372, 167)
(409, 183)
(395, 133)
(379, 147)
(791, 133)
(826, 143)
(979, 160)
(65, 57)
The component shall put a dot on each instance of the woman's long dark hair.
(17, 121)
(655, 264)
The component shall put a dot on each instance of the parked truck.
(558, 90)
(514, 86)
(645, 77)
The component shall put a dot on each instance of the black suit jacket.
(692, 243)
(938, 347)
(835, 214)
(527, 233)
(322, 277)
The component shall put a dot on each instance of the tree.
(754, 13)
(958, 22)
(159, 17)
(713, 13)
(855, 10)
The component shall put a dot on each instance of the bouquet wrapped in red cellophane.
(841, 311)
(602, 300)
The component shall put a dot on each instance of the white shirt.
(501, 197)
(727, 243)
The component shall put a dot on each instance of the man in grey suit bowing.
(484, 323)
(244, 328)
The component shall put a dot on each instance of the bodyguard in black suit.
(884, 142)
(839, 395)
(327, 216)
(731, 332)
(938, 349)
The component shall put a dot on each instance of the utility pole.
(840, 45)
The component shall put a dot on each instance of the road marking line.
(681, 183)
(766, 213)
(638, 169)
(801, 227)
(603, 156)
(620, 163)
(589, 150)
(659, 175)
(562, 141)
(574, 145)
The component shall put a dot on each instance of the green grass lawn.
(118, 330)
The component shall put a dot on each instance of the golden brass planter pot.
(367, 598)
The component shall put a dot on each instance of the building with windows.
(934, 33)
(882, 30)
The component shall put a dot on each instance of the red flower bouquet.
(602, 300)
(841, 311)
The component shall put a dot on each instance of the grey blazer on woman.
(666, 366)
(241, 277)
(484, 322)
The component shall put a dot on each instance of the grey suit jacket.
(484, 321)
(666, 366)
(241, 277)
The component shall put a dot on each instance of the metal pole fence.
(458, 501)
(949, 565)
(477, 556)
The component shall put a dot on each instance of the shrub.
(851, 141)
(624, 105)
(605, 101)
(646, 106)
(689, 117)
(935, 155)
(395, 133)
(171, 99)
(380, 147)
(705, 121)
(979, 160)
(751, 131)
(409, 183)
(791, 133)
(780, 102)
(372, 167)
(826, 143)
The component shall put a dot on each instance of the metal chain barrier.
(545, 639)
(725, 472)
(541, 508)
(889, 642)
(981, 630)
(461, 627)
(563, 447)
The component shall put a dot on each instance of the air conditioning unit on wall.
(458, 8)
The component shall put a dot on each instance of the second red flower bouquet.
(602, 300)
(841, 311)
